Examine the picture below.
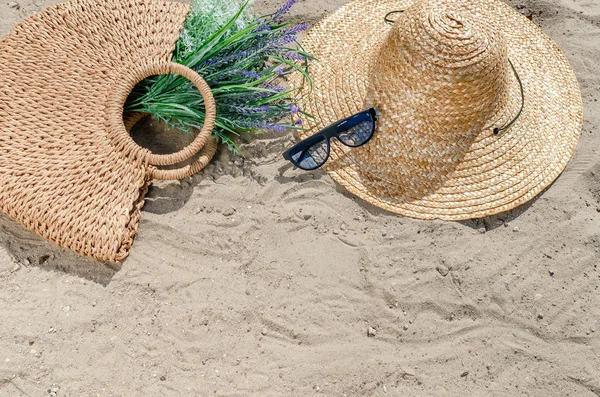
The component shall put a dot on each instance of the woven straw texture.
(70, 170)
(442, 80)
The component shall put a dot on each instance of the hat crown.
(441, 77)
(449, 38)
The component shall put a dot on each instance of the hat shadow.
(504, 218)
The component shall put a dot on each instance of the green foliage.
(243, 58)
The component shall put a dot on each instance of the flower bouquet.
(244, 58)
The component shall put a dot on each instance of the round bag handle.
(206, 155)
(123, 141)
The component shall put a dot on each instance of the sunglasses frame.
(333, 131)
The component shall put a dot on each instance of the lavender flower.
(256, 95)
(271, 127)
(226, 59)
(292, 56)
(264, 28)
(247, 110)
(298, 122)
(273, 44)
(261, 125)
(283, 10)
(285, 40)
(275, 88)
(294, 109)
(245, 73)
(297, 29)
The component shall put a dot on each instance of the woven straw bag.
(70, 170)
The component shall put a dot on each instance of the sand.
(252, 279)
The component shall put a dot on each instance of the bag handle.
(122, 140)
(206, 155)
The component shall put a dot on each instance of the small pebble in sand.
(551, 272)
(66, 309)
(540, 316)
(482, 230)
(443, 270)
(464, 374)
(229, 212)
(405, 327)
(371, 332)
(264, 332)
(14, 5)
(52, 330)
(307, 217)
(163, 378)
(516, 229)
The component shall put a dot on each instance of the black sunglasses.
(313, 152)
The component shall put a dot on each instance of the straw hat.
(442, 79)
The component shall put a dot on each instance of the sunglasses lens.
(312, 157)
(359, 134)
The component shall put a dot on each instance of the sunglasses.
(314, 151)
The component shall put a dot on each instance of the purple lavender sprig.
(283, 11)
(247, 110)
(297, 29)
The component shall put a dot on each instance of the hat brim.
(497, 173)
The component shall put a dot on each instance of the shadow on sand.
(31, 250)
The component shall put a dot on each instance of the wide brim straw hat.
(70, 170)
(442, 80)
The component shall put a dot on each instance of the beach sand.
(252, 279)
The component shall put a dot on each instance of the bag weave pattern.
(69, 170)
